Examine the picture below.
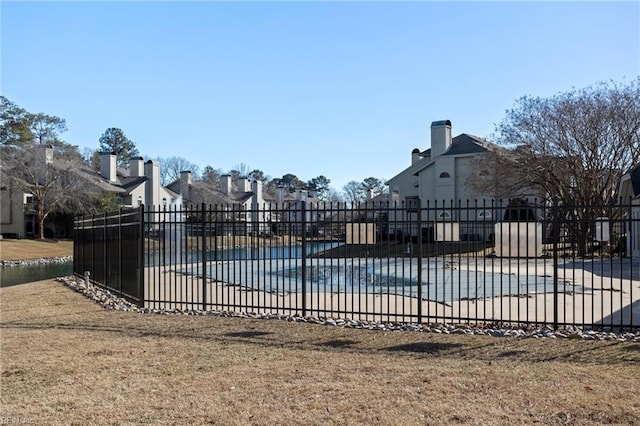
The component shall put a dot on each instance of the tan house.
(137, 185)
(439, 182)
(12, 211)
(242, 201)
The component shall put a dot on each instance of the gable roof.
(99, 181)
(463, 144)
(468, 144)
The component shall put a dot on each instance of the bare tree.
(353, 192)
(572, 147)
(52, 181)
(171, 167)
(241, 170)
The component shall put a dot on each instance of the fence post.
(628, 250)
(141, 240)
(419, 255)
(120, 250)
(556, 237)
(105, 255)
(93, 244)
(304, 259)
(204, 257)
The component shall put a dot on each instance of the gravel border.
(34, 262)
(108, 300)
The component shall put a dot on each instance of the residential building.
(12, 211)
(243, 201)
(439, 182)
(630, 195)
(132, 187)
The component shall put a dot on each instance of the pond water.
(26, 274)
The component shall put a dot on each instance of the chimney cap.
(441, 123)
(107, 153)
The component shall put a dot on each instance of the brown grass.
(65, 360)
(34, 249)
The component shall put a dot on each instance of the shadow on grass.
(424, 347)
(299, 337)
(338, 343)
(247, 334)
(633, 347)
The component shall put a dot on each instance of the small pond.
(25, 274)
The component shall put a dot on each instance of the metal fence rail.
(530, 264)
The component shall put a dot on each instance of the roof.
(462, 144)
(200, 191)
(468, 144)
(96, 179)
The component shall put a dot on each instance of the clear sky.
(343, 89)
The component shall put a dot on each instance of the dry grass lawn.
(65, 360)
(34, 249)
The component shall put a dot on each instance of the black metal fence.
(523, 264)
(109, 248)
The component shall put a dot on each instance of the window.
(444, 215)
(484, 215)
(395, 194)
(444, 175)
(412, 204)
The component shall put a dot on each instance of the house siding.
(12, 212)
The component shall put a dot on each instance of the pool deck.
(608, 296)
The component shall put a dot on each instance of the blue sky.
(343, 89)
